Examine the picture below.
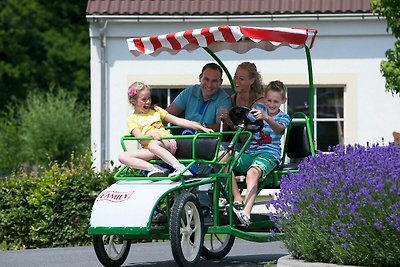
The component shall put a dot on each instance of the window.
(328, 110)
(164, 96)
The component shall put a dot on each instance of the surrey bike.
(196, 214)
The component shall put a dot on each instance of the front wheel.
(217, 246)
(111, 250)
(186, 230)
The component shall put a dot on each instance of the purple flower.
(349, 197)
(333, 231)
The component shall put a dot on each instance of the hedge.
(51, 209)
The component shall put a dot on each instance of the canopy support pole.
(310, 89)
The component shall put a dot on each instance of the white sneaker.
(161, 168)
(243, 218)
(186, 174)
(157, 173)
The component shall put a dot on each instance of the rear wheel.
(186, 230)
(217, 246)
(111, 250)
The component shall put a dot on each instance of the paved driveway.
(243, 254)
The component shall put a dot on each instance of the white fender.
(128, 203)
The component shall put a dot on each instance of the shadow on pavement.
(238, 261)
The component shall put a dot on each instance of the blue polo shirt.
(196, 109)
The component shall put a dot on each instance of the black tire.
(186, 230)
(111, 250)
(217, 246)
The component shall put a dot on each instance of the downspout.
(104, 123)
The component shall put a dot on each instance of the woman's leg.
(235, 190)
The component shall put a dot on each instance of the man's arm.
(214, 126)
(174, 109)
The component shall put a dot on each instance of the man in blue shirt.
(202, 102)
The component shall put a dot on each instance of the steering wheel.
(241, 115)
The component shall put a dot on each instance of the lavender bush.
(344, 207)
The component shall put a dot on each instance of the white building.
(352, 105)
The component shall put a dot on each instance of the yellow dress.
(149, 122)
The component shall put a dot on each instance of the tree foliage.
(45, 127)
(10, 145)
(390, 68)
(43, 44)
(53, 125)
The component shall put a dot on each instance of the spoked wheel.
(217, 246)
(186, 230)
(111, 250)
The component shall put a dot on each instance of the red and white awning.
(235, 38)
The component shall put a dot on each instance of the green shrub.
(344, 207)
(53, 209)
(53, 125)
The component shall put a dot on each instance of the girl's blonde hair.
(134, 89)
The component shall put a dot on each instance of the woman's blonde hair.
(257, 87)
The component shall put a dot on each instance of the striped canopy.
(235, 38)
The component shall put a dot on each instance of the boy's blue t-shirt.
(267, 141)
(196, 109)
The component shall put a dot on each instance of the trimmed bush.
(53, 209)
(343, 207)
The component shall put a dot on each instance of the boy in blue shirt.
(264, 151)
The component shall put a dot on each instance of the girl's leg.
(251, 193)
(137, 159)
(161, 150)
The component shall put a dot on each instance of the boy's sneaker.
(243, 218)
(239, 205)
